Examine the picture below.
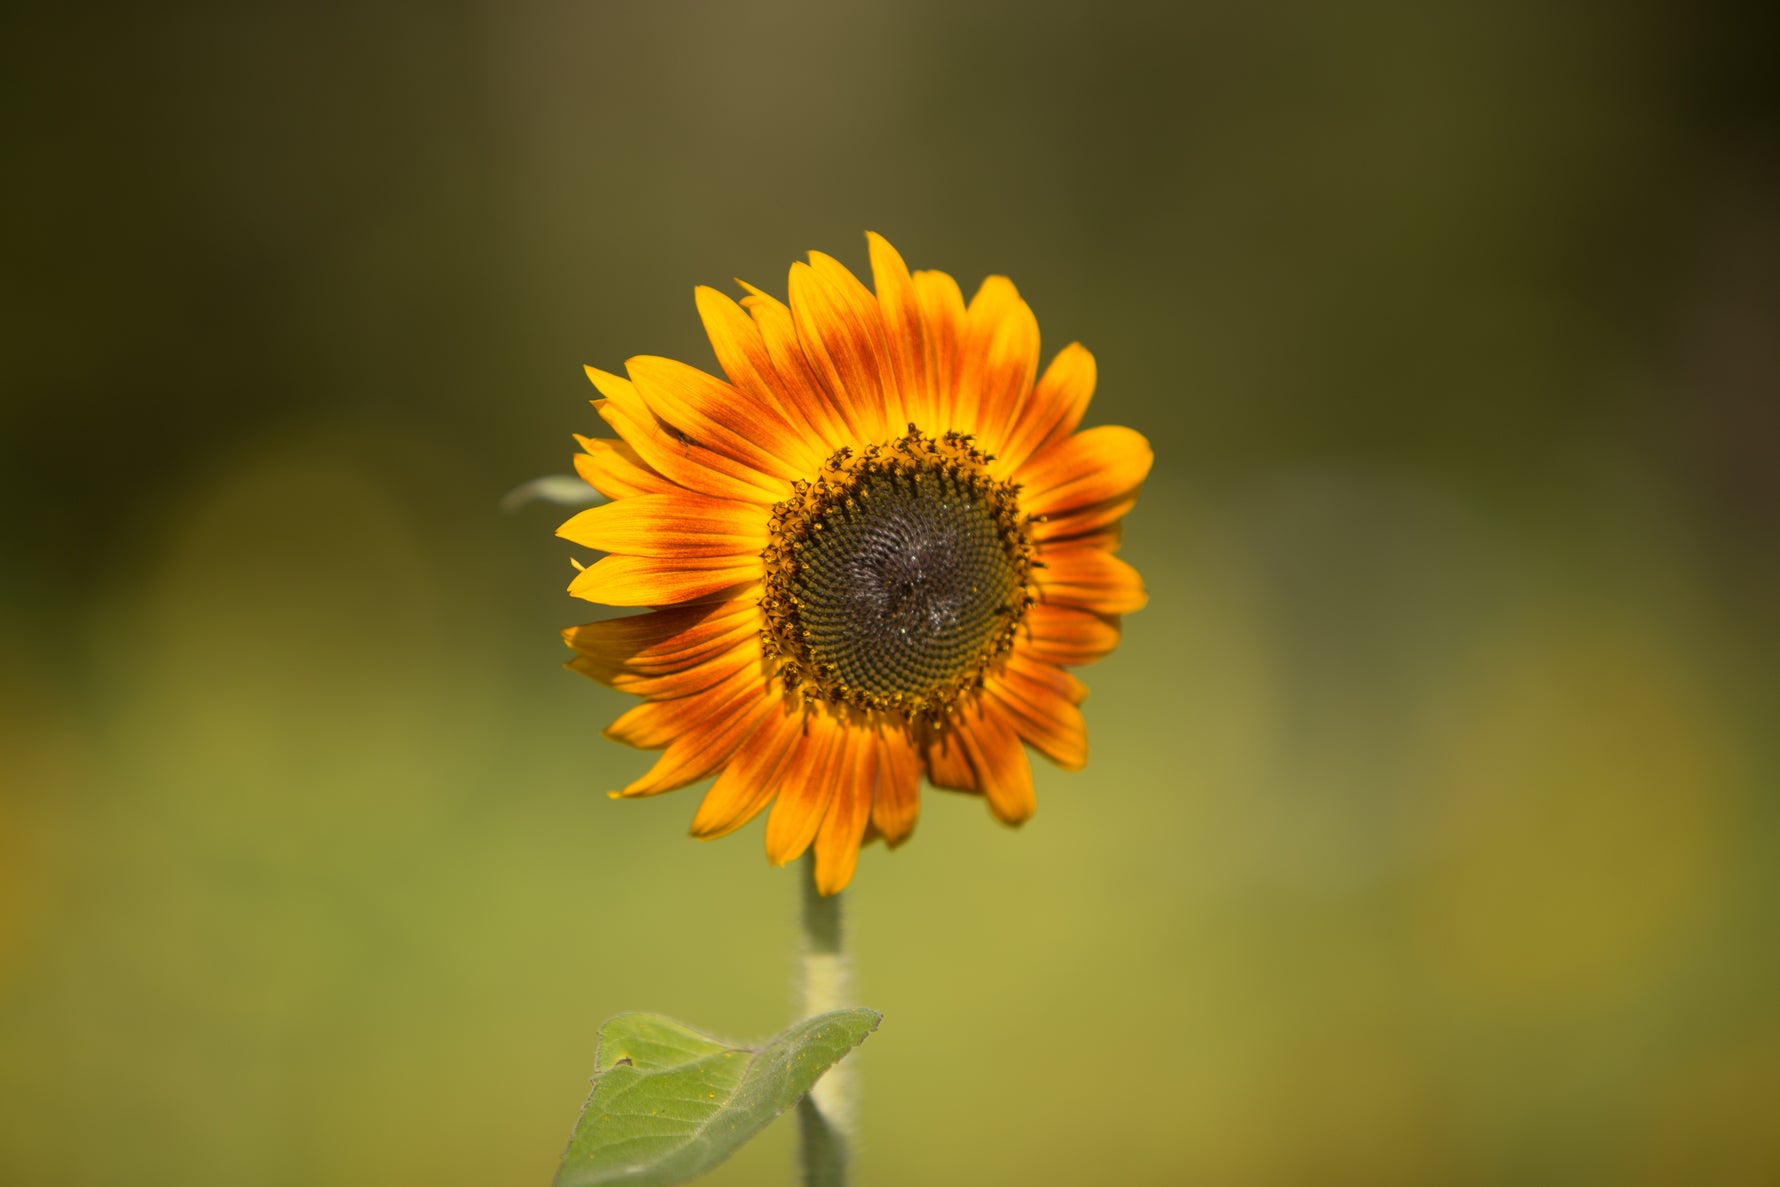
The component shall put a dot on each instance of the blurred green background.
(1430, 835)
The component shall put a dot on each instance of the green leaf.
(669, 1103)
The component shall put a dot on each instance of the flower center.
(897, 577)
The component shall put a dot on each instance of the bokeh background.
(1430, 835)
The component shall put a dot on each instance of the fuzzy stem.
(825, 1116)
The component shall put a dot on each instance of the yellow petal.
(679, 524)
(658, 581)
(1058, 402)
(999, 360)
(1091, 466)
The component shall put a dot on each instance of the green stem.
(825, 1116)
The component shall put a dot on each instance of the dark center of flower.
(896, 577)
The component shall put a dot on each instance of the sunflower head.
(870, 552)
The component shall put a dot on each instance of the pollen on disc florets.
(896, 577)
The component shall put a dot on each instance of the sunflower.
(869, 554)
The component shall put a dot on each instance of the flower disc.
(904, 586)
(898, 577)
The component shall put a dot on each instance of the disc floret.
(897, 577)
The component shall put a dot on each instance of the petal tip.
(1010, 819)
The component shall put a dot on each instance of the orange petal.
(742, 353)
(1090, 578)
(703, 748)
(672, 454)
(1042, 712)
(1049, 677)
(842, 335)
(805, 789)
(711, 415)
(615, 469)
(710, 670)
(670, 525)
(904, 336)
(942, 315)
(752, 777)
(1096, 523)
(662, 642)
(1056, 407)
(1000, 358)
(655, 724)
(995, 753)
(1092, 466)
(797, 379)
(1056, 634)
(663, 581)
(944, 757)
(843, 826)
(896, 797)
